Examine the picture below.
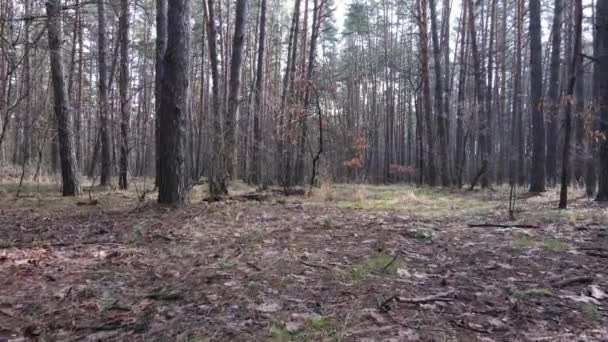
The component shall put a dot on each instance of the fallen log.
(494, 225)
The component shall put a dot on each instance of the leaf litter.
(293, 270)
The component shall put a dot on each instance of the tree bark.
(174, 104)
(161, 48)
(426, 92)
(479, 86)
(69, 170)
(573, 73)
(462, 78)
(537, 172)
(217, 177)
(601, 56)
(553, 94)
(236, 62)
(106, 162)
(442, 120)
(124, 96)
(256, 172)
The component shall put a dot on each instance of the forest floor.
(349, 263)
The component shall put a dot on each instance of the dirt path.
(285, 271)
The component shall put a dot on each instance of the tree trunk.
(124, 96)
(487, 124)
(426, 92)
(462, 78)
(573, 73)
(106, 162)
(256, 172)
(217, 178)
(161, 48)
(601, 55)
(537, 172)
(27, 119)
(236, 62)
(174, 104)
(554, 98)
(442, 120)
(69, 170)
(479, 87)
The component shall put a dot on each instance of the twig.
(57, 244)
(405, 325)
(469, 327)
(440, 297)
(314, 265)
(598, 254)
(390, 263)
(254, 266)
(573, 281)
(493, 225)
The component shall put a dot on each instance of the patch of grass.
(522, 240)
(379, 263)
(527, 294)
(327, 222)
(555, 245)
(278, 333)
(370, 204)
(326, 192)
(314, 329)
(590, 312)
(320, 324)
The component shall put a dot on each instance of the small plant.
(522, 240)
(555, 245)
(527, 294)
(423, 236)
(278, 333)
(320, 324)
(590, 311)
(327, 222)
(379, 263)
(326, 192)
(313, 329)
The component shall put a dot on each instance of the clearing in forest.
(349, 263)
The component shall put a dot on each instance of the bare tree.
(537, 171)
(235, 86)
(601, 56)
(217, 173)
(161, 48)
(553, 94)
(442, 120)
(124, 96)
(573, 72)
(256, 174)
(69, 170)
(426, 91)
(174, 104)
(106, 158)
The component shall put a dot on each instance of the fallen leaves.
(267, 270)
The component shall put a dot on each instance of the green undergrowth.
(313, 329)
(380, 263)
(419, 202)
